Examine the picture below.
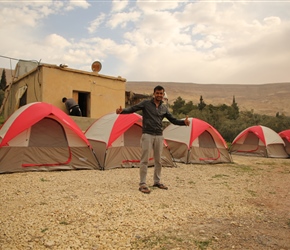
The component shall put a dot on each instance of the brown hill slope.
(262, 99)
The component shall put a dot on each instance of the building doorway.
(84, 100)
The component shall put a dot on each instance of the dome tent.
(285, 135)
(259, 141)
(198, 143)
(41, 137)
(115, 139)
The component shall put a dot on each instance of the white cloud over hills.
(226, 42)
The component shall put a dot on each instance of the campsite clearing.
(240, 205)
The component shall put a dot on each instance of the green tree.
(224, 107)
(187, 108)
(201, 104)
(177, 105)
(3, 80)
(228, 120)
(233, 113)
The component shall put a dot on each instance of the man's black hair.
(158, 87)
(64, 99)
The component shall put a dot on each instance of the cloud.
(72, 4)
(153, 5)
(201, 41)
(14, 17)
(121, 19)
(224, 42)
(57, 41)
(96, 23)
(119, 5)
(159, 28)
(272, 20)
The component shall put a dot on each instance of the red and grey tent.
(116, 141)
(198, 143)
(41, 137)
(259, 141)
(285, 135)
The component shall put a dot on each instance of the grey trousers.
(149, 143)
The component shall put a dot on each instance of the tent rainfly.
(116, 139)
(285, 135)
(198, 143)
(41, 137)
(259, 141)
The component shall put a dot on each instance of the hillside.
(262, 99)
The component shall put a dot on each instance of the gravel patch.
(240, 205)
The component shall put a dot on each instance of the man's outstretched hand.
(119, 110)
(186, 121)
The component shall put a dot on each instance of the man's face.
(158, 95)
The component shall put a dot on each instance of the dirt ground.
(240, 205)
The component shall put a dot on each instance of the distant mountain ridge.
(265, 99)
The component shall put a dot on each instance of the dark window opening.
(83, 99)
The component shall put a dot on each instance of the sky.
(206, 42)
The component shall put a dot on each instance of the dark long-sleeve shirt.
(70, 103)
(153, 116)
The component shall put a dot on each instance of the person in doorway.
(72, 107)
(153, 111)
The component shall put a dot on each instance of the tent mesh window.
(47, 133)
